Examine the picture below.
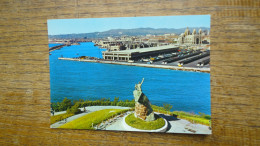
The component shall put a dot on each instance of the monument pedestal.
(140, 111)
(143, 108)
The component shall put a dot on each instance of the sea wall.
(205, 70)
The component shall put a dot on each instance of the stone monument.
(143, 108)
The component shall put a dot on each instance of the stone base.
(143, 112)
(140, 111)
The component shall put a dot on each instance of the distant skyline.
(88, 25)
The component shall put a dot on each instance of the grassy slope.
(132, 121)
(85, 122)
(192, 118)
(60, 117)
(184, 115)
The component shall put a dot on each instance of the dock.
(134, 54)
(205, 70)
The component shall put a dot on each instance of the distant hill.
(129, 32)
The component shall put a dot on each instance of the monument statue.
(143, 108)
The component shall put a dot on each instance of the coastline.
(204, 70)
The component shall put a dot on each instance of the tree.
(167, 107)
(65, 104)
(54, 107)
(116, 99)
(73, 110)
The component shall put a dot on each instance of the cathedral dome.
(187, 32)
(200, 31)
(194, 31)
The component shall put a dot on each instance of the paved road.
(194, 63)
(175, 63)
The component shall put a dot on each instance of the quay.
(135, 54)
(194, 69)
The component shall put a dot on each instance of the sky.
(88, 25)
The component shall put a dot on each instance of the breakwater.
(206, 70)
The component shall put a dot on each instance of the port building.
(135, 54)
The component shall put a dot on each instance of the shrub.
(74, 109)
(132, 121)
(114, 103)
(54, 107)
(167, 107)
(65, 104)
(208, 117)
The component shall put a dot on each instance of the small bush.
(167, 107)
(137, 123)
(208, 117)
(74, 109)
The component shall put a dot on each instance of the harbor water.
(186, 91)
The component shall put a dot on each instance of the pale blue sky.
(86, 25)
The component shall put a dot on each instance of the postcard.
(143, 74)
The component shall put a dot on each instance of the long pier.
(58, 47)
(205, 70)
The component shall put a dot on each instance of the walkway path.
(183, 126)
(175, 126)
(89, 109)
(116, 124)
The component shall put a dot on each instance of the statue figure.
(143, 108)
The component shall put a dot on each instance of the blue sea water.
(186, 91)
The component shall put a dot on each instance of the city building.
(135, 54)
(192, 38)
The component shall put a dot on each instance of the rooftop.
(143, 50)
